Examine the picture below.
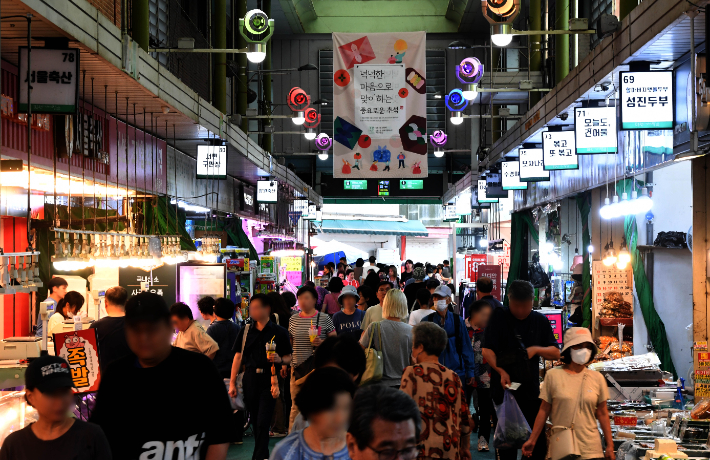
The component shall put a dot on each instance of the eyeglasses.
(408, 453)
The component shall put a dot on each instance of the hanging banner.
(80, 350)
(379, 98)
(510, 173)
(531, 166)
(595, 130)
(646, 100)
(495, 273)
(473, 261)
(558, 151)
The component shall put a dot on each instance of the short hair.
(117, 295)
(432, 283)
(55, 282)
(477, 306)
(418, 264)
(335, 284)
(367, 292)
(431, 336)
(521, 290)
(181, 310)
(224, 308)
(388, 283)
(409, 261)
(331, 265)
(372, 259)
(206, 305)
(566, 356)
(484, 284)
(289, 298)
(343, 351)
(359, 262)
(446, 261)
(423, 296)
(381, 402)
(343, 258)
(263, 299)
(146, 307)
(349, 271)
(394, 305)
(72, 298)
(309, 289)
(318, 392)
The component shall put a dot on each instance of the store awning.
(374, 227)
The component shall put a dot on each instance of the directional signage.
(595, 130)
(413, 184)
(531, 166)
(463, 204)
(482, 198)
(355, 184)
(646, 100)
(383, 188)
(510, 176)
(558, 150)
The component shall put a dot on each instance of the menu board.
(555, 319)
(532, 168)
(558, 150)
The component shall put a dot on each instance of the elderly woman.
(575, 394)
(392, 337)
(439, 393)
(55, 434)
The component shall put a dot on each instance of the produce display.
(614, 306)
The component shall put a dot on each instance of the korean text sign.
(646, 100)
(81, 351)
(611, 279)
(555, 319)
(212, 161)
(54, 77)
(532, 168)
(510, 174)
(595, 130)
(473, 262)
(495, 273)
(482, 195)
(558, 150)
(379, 110)
(267, 191)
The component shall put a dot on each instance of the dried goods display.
(614, 306)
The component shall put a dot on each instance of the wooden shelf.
(616, 321)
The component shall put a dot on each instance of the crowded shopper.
(349, 319)
(479, 313)
(372, 265)
(56, 289)
(280, 311)
(410, 290)
(143, 403)
(372, 280)
(432, 284)
(350, 278)
(331, 305)
(67, 309)
(290, 301)
(575, 396)
(110, 330)
(519, 337)
(224, 332)
(385, 424)
(374, 314)
(484, 291)
(307, 330)
(392, 337)
(191, 335)
(281, 315)
(423, 307)
(325, 401)
(392, 276)
(458, 355)
(440, 395)
(407, 273)
(251, 352)
(367, 298)
(358, 269)
(206, 308)
(446, 272)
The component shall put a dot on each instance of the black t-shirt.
(410, 292)
(180, 404)
(404, 277)
(535, 330)
(254, 355)
(83, 441)
(111, 335)
(492, 301)
(224, 332)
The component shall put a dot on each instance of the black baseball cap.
(48, 373)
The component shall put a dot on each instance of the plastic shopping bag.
(512, 430)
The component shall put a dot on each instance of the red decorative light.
(298, 100)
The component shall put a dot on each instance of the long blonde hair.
(394, 305)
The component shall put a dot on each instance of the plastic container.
(625, 418)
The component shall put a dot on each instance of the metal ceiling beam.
(299, 13)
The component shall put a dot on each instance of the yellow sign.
(292, 264)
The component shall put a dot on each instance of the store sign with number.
(510, 176)
(54, 77)
(558, 150)
(595, 130)
(482, 196)
(646, 100)
(532, 168)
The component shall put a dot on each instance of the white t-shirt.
(54, 325)
(417, 316)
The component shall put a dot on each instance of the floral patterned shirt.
(439, 394)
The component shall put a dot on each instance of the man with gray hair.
(515, 339)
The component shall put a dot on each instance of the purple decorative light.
(469, 71)
(438, 138)
(323, 141)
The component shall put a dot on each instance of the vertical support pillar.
(495, 120)
(701, 199)
(140, 22)
(573, 39)
(561, 41)
(242, 62)
(219, 60)
(267, 139)
(535, 58)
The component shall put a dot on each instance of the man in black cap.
(54, 435)
(143, 401)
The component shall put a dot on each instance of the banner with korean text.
(379, 98)
(81, 351)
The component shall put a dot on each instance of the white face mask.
(581, 356)
(441, 305)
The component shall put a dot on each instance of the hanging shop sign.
(81, 351)
(473, 261)
(211, 161)
(510, 176)
(355, 185)
(494, 188)
(495, 273)
(311, 213)
(646, 100)
(532, 168)
(246, 199)
(558, 150)
(379, 98)
(482, 195)
(412, 184)
(595, 130)
(475, 204)
(463, 204)
(163, 281)
(383, 188)
(450, 213)
(54, 77)
(267, 191)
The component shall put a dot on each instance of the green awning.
(374, 227)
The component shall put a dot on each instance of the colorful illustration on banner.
(413, 134)
(403, 92)
(364, 141)
(401, 158)
(704, 359)
(373, 166)
(346, 133)
(416, 80)
(400, 49)
(357, 157)
(80, 349)
(382, 155)
(341, 77)
(416, 168)
(346, 167)
(323, 142)
(396, 141)
(356, 52)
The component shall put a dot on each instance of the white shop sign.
(531, 166)
(558, 150)
(646, 100)
(510, 173)
(595, 130)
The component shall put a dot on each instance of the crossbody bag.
(563, 442)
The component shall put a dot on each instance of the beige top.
(196, 339)
(562, 389)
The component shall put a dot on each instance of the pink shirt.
(331, 303)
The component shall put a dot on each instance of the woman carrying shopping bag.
(574, 398)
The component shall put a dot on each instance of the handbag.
(563, 442)
(374, 365)
(307, 366)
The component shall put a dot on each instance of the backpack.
(457, 332)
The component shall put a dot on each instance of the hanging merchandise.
(538, 277)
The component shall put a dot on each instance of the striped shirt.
(298, 327)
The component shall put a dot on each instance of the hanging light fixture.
(644, 203)
(609, 254)
(605, 211)
(310, 134)
(624, 255)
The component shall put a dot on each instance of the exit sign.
(355, 185)
(416, 184)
